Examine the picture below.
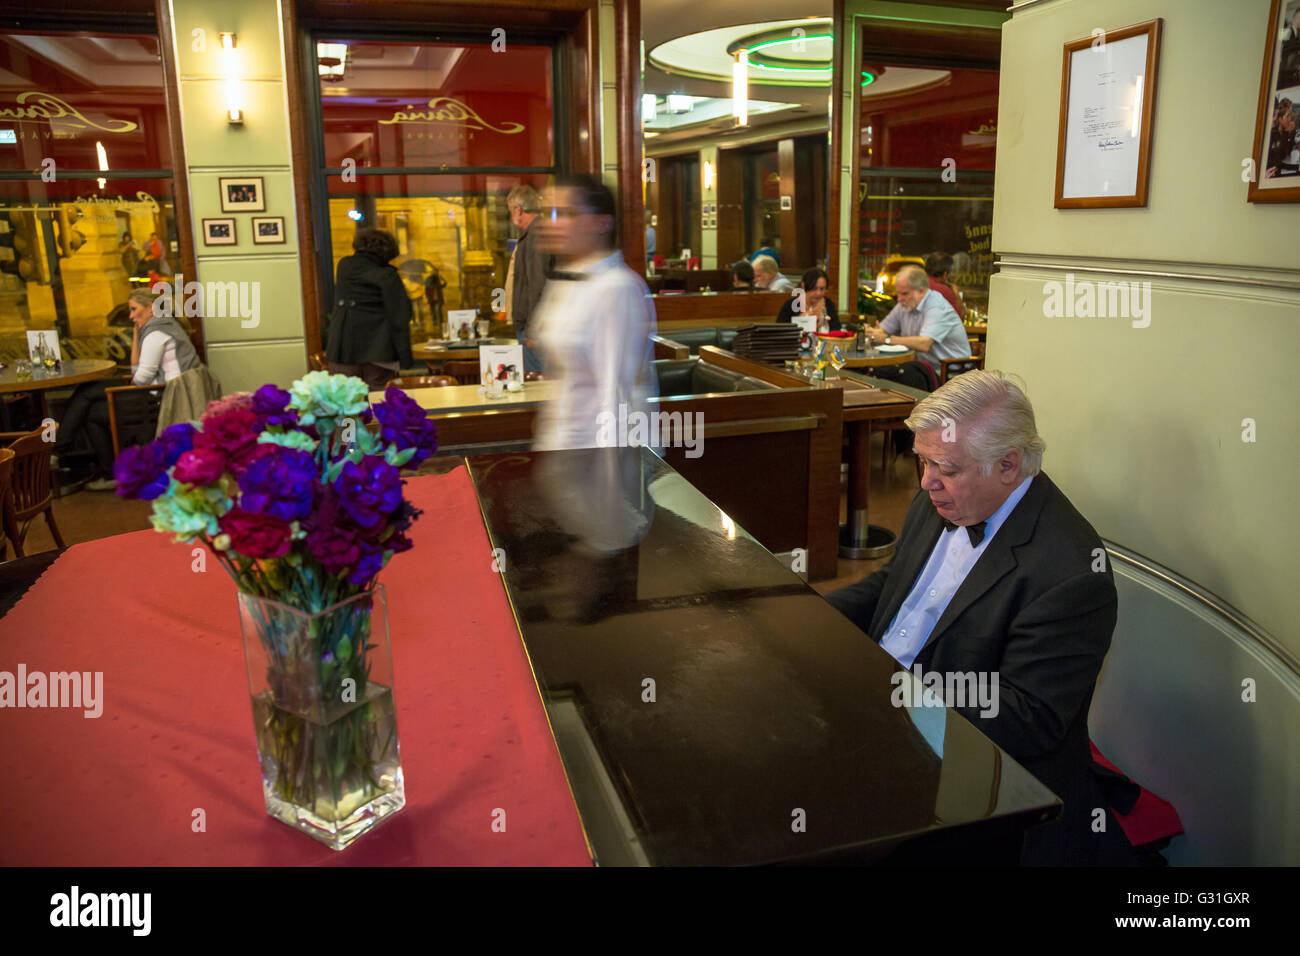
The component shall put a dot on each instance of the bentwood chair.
(423, 381)
(950, 367)
(29, 492)
(465, 373)
(6, 477)
(133, 414)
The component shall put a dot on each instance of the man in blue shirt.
(923, 321)
(996, 575)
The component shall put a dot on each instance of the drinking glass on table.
(484, 326)
(23, 370)
(836, 359)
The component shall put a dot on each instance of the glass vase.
(323, 711)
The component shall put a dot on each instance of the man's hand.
(530, 343)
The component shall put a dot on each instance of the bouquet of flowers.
(298, 494)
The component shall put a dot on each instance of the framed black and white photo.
(219, 232)
(242, 194)
(1275, 155)
(1108, 98)
(268, 230)
(787, 202)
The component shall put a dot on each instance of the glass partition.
(424, 140)
(76, 235)
(927, 142)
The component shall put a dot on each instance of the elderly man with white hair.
(767, 277)
(923, 321)
(996, 573)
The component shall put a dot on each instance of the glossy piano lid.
(709, 706)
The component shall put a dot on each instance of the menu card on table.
(458, 319)
(502, 364)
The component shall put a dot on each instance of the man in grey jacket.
(526, 275)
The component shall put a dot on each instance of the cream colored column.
(243, 352)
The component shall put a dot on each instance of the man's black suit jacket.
(1038, 608)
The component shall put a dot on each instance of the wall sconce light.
(740, 88)
(103, 162)
(230, 66)
(708, 175)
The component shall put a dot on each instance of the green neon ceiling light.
(819, 36)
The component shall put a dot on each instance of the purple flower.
(404, 424)
(371, 563)
(174, 442)
(281, 483)
(141, 472)
(269, 404)
(369, 491)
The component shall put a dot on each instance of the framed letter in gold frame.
(1108, 97)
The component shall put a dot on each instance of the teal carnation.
(322, 399)
(298, 440)
(190, 511)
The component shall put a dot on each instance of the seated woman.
(815, 302)
(160, 351)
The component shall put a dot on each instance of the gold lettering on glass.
(35, 106)
(444, 109)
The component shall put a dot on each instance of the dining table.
(70, 372)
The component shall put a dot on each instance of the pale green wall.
(274, 351)
(1144, 425)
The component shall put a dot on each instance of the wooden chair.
(133, 420)
(6, 476)
(423, 381)
(465, 373)
(29, 487)
(318, 362)
(887, 458)
(534, 376)
(950, 367)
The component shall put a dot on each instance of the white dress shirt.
(595, 337)
(951, 560)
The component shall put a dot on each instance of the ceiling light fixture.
(740, 88)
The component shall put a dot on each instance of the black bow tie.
(568, 276)
(976, 531)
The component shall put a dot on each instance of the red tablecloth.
(176, 731)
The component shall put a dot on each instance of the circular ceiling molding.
(782, 53)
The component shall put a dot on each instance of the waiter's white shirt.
(595, 336)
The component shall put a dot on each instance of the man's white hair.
(914, 276)
(992, 417)
(765, 264)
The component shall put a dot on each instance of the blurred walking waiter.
(526, 275)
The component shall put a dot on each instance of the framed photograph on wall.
(219, 232)
(268, 230)
(242, 194)
(1108, 98)
(1275, 156)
